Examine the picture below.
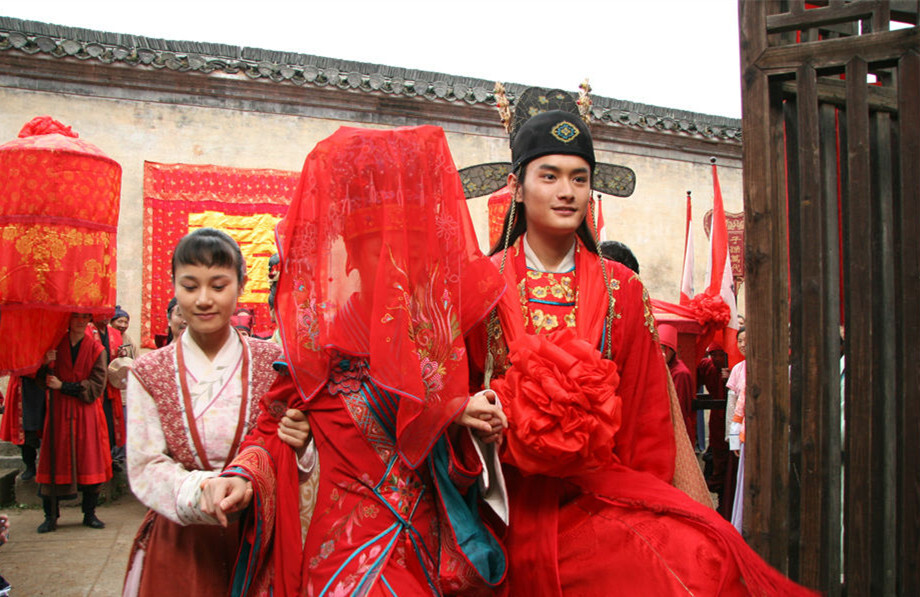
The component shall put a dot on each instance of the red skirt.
(626, 533)
(604, 546)
(198, 559)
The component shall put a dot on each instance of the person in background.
(243, 320)
(112, 403)
(712, 372)
(680, 375)
(276, 334)
(619, 252)
(23, 418)
(75, 374)
(274, 271)
(4, 537)
(120, 322)
(175, 321)
(189, 405)
(737, 385)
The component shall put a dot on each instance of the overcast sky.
(673, 53)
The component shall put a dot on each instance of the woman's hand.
(221, 496)
(51, 355)
(294, 430)
(484, 417)
(53, 382)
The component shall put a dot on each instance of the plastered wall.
(651, 221)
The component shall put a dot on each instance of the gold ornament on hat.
(584, 101)
(503, 105)
(514, 110)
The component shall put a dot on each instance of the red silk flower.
(562, 406)
(710, 310)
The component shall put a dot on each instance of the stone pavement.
(74, 560)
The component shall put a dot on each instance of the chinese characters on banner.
(734, 222)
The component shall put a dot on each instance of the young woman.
(380, 279)
(75, 434)
(590, 449)
(189, 405)
(737, 387)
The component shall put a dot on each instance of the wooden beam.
(766, 523)
(883, 394)
(807, 255)
(859, 556)
(905, 11)
(827, 344)
(816, 17)
(832, 91)
(881, 17)
(878, 49)
(907, 288)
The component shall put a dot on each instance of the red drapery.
(498, 206)
(59, 200)
(246, 203)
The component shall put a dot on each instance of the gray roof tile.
(32, 37)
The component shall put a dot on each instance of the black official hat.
(553, 132)
(538, 114)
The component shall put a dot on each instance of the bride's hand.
(484, 416)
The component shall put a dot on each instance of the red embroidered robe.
(587, 520)
(80, 440)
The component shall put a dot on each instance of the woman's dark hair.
(211, 248)
(520, 221)
(169, 309)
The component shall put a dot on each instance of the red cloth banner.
(59, 200)
(498, 206)
(686, 276)
(719, 278)
(245, 203)
(734, 223)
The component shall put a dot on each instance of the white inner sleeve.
(492, 480)
(188, 499)
(306, 464)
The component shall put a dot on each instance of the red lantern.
(59, 200)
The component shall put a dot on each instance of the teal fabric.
(245, 571)
(475, 541)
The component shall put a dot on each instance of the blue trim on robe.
(552, 303)
(480, 547)
(245, 572)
